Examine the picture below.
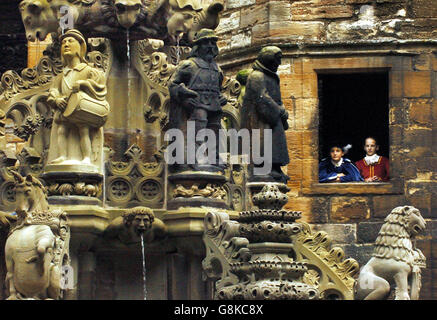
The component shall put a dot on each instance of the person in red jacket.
(373, 167)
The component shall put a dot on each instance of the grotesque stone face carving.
(181, 16)
(139, 220)
(38, 19)
(127, 11)
(134, 223)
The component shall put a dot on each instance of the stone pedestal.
(197, 189)
(73, 184)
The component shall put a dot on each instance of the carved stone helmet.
(76, 34)
(203, 34)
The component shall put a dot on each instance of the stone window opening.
(353, 106)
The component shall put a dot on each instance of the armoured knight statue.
(195, 87)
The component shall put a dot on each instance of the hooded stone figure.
(263, 109)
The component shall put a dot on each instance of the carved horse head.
(31, 195)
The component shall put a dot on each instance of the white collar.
(371, 159)
(337, 164)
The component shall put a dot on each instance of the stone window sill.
(392, 187)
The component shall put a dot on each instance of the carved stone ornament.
(266, 254)
(251, 271)
(133, 223)
(209, 191)
(144, 19)
(37, 248)
(395, 258)
(134, 180)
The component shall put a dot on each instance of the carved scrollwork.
(12, 83)
(77, 189)
(209, 191)
(335, 279)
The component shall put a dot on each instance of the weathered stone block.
(434, 61)
(420, 137)
(419, 195)
(295, 188)
(293, 30)
(254, 15)
(294, 142)
(306, 115)
(339, 233)
(424, 8)
(295, 170)
(291, 85)
(320, 210)
(396, 84)
(396, 135)
(360, 252)
(344, 209)
(260, 32)
(368, 231)
(241, 40)
(232, 4)
(417, 84)
(309, 142)
(397, 112)
(310, 170)
(422, 62)
(322, 12)
(309, 85)
(420, 112)
(279, 11)
(229, 23)
(301, 204)
(382, 205)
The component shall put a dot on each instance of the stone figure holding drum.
(80, 108)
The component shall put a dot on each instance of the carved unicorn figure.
(37, 246)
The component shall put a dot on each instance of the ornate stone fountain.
(92, 126)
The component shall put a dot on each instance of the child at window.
(336, 168)
(373, 168)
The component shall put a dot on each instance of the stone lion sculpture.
(37, 246)
(395, 259)
(133, 223)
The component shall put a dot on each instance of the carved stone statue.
(128, 11)
(135, 222)
(158, 19)
(78, 98)
(175, 17)
(263, 109)
(395, 259)
(37, 248)
(195, 87)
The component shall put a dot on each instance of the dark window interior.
(352, 107)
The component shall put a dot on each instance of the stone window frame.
(395, 65)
